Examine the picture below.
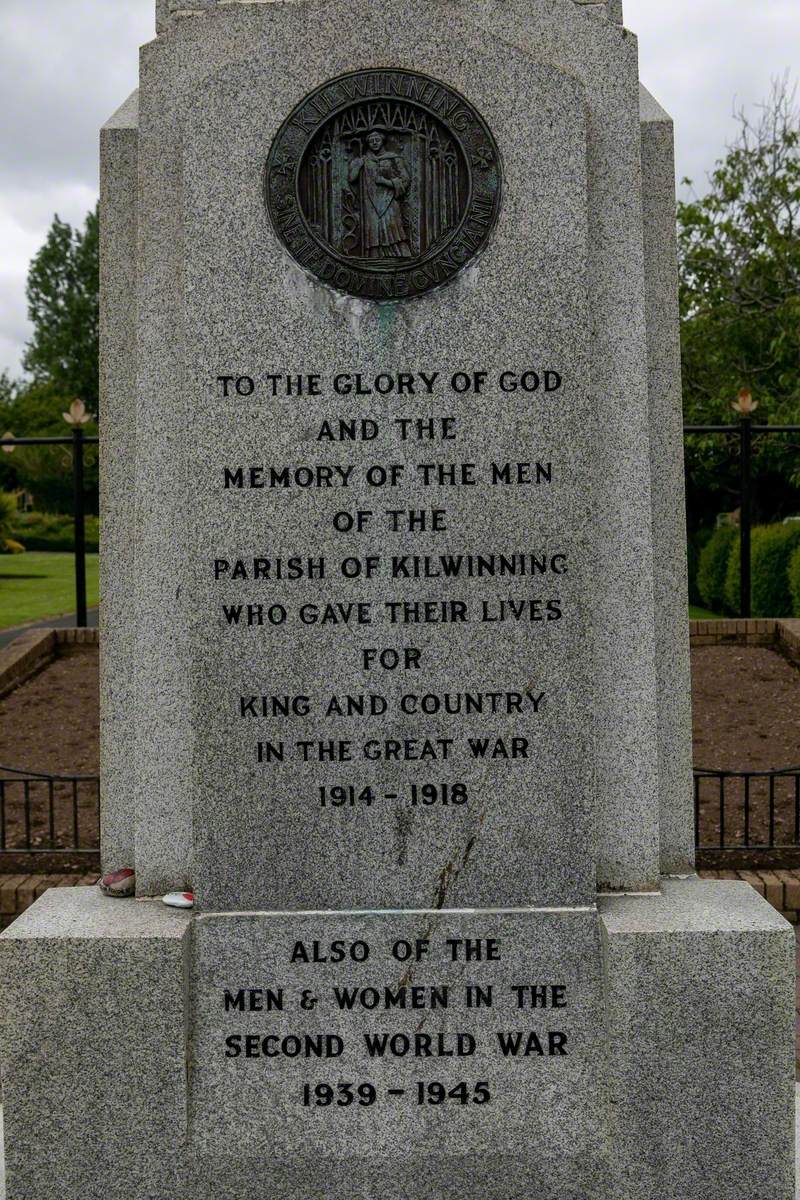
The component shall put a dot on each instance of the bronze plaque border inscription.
(384, 183)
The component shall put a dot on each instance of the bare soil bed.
(50, 725)
(746, 716)
(746, 705)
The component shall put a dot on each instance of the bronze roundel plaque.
(384, 183)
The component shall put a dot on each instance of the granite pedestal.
(395, 646)
(677, 1079)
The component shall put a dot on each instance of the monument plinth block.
(701, 1018)
(350, 1050)
(93, 1047)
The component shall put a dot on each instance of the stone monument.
(395, 664)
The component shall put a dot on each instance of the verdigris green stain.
(387, 318)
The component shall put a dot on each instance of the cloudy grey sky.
(65, 65)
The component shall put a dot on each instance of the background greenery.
(52, 531)
(712, 568)
(62, 364)
(774, 576)
(739, 261)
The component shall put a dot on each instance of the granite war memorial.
(394, 645)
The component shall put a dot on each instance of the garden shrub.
(8, 511)
(772, 553)
(713, 566)
(771, 550)
(794, 581)
(54, 531)
(731, 599)
(695, 544)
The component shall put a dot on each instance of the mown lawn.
(702, 614)
(38, 584)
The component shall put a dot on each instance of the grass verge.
(38, 584)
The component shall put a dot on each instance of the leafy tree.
(63, 289)
(739, 249)
(62, 359)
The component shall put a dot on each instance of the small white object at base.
(179, 899)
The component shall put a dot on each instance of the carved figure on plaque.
(383, 178)
(384, 183)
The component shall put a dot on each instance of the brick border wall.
(35, 649)
(781, 889)
(24, 657)
(82, 637)
(784, 633)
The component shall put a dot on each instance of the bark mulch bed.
(50, 725)
(746, 716)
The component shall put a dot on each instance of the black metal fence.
(744, 430)
(753, 811)
(59, 814)
(77, 441)
(757, 811)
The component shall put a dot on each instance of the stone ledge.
(168, 10)
(18, 892)
(779, 888)
(700, 1005)
(93, 1049)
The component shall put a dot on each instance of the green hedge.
(696, 543)
(8, 508)
(772, 548)
(794, 581)
(53, 531)
(772, 553)
(732, 593)
(713, 567)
